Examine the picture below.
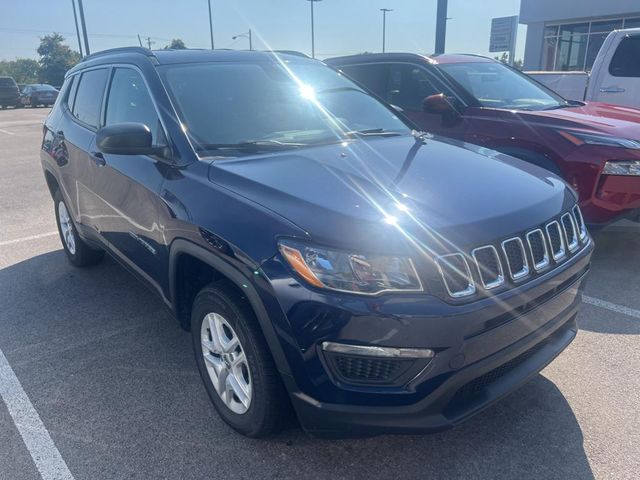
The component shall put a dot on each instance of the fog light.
(374, 351)
(622, 167)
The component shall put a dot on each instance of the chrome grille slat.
(538, 249)
(516, 257)
(579, 219)
(570, 231)
(456, 275)
(489, 266)
(556, 240)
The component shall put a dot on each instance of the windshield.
(279, 104)
(497, 86)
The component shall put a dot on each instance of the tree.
(55, 59)
(23, 70)
(504, 58)
(176, 44)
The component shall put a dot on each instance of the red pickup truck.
(595, 147)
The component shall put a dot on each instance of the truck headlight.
(363, 274)
(622, 167)
(582, 138)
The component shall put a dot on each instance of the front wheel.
(235, 363)
(78, 252)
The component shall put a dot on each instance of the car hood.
(611, 119)
(388, 193)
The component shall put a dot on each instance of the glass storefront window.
(574, 46)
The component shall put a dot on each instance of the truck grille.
(556, 240)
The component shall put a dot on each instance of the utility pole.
(210, 25)
(140, 40)
(84, 29)
(149, 42)
(75, 19)
(384, 25)
(441, 26)
(313, 42)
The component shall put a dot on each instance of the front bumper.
(484, 350)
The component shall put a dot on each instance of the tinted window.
(71, 89)
(409, 85)
(7, 82)
(375, 77)
(88, 101)
(130, 101)
(626, 60)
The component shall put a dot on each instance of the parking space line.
(614, 307)
(6, 132)
(26, 239)
(43, 451)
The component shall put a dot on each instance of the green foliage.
(55, 59)
(504, 58)
(176, 44)
(23, 70)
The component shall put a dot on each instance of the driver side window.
(409, 85)
(130, 101)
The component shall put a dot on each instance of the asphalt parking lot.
(112, 378)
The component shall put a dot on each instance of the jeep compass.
(324, 254)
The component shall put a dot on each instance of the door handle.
(612, 90)
(98, 159)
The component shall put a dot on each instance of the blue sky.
(342, 26)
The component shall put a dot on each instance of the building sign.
(503, 34)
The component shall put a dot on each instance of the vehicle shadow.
(113, 378)
(613, 278)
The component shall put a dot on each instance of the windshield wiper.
(252, 145)
(373, 132)
(561, 105)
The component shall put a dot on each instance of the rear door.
(619, 81)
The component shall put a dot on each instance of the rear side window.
(88, 100)
(130, 101)
(374, 77)
(626, 60)
(7, 82)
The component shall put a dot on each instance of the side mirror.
(127, 139)
(438, 104)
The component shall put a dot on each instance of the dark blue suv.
(322, 251)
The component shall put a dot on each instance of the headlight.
(622, 167)
(350, 272)
(581, 138)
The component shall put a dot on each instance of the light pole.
(245, 35)
(210, 24)
(313, 44)
(384, 25)
(84, 28)
(75, 18)
(441, 25)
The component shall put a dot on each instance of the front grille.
(570, 231)
(538, 247)
(456, 275)
(555, 240)
(516, 258)
(360, 369)
(489, 266)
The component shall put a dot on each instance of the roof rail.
(140, 50)
(289, 52)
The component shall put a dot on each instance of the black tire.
(269, 403)
(33, 103)
(83, 255)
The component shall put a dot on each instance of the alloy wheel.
(226, 363)
(66, 227)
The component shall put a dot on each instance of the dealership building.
(567, 34)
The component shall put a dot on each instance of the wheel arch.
(52, 182)
(185, 251)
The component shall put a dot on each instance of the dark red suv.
(594, 146)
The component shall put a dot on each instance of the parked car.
(38, 94)
(9, 94)
(593, 146)
(322, 252)
(614, 78)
